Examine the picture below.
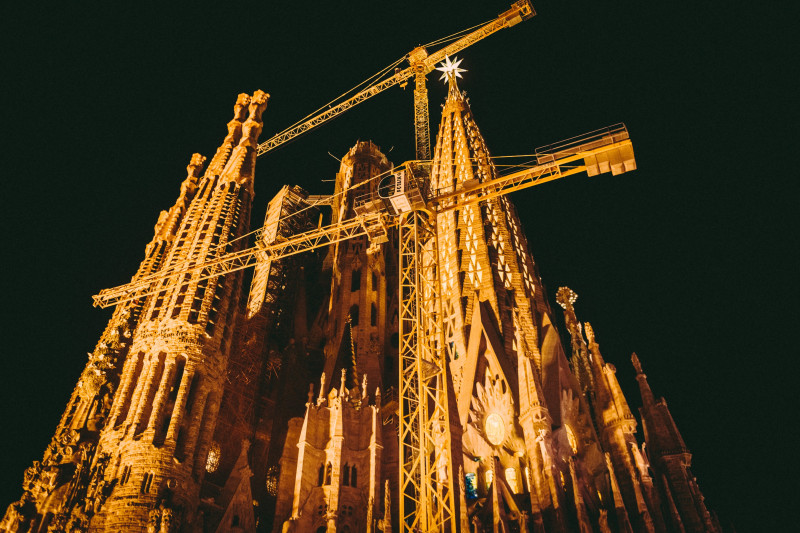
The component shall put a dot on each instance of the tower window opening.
(374, 281)
(353, 477)
(328, 473)
(321, 479)
(373, 317)
(471, 486)
(214, 456)
(272, 480)
(346, 475)
(147, 481)
(355, 281)
(354, 315)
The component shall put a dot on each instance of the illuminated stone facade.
(211, 407)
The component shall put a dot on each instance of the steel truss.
(426, 467)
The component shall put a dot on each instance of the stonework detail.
(212, 406)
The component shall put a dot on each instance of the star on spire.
(450, 70)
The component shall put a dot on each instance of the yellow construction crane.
(403, 200)
(421, 64)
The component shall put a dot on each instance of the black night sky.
(686, 261)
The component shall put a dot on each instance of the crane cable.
(344, 94)
(379, 74)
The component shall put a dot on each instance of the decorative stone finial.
(636, 364)
(566, 297)
(321, 388)
(195, 165)
(587, 328)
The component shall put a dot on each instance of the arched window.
(354, 315)
(214, 455)
(272, 480)
(355, 281)
(374, 281)
(147, 481)
(321, 474)
(353, 472)
(346, 475)
(328, 472)
(373, 317)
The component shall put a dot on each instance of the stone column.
(124, 388)
(161, 394)
(148, 386)
(137, 394)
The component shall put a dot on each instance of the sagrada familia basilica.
(270, 403)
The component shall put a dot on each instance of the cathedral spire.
(661, 432)
(582, 368)
(644, 387)
(217, 164)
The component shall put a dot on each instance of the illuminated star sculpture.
(450, 70)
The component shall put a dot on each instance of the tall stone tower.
(137, 462)
(163, 418)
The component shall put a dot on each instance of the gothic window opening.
(346, 475)
(180, 449)
(373, 317)
(321, 475)
(328, 473)
(178, 307)
(216, 303)
(374, 281)
(355, 281)
(214, 455)
(354, 315)
(471, 486)
(201, 452)
(197, 303)
(126, 474)
(272, 480)
(159, 302)
(156, 370)
(147, 481)
(353, 477)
